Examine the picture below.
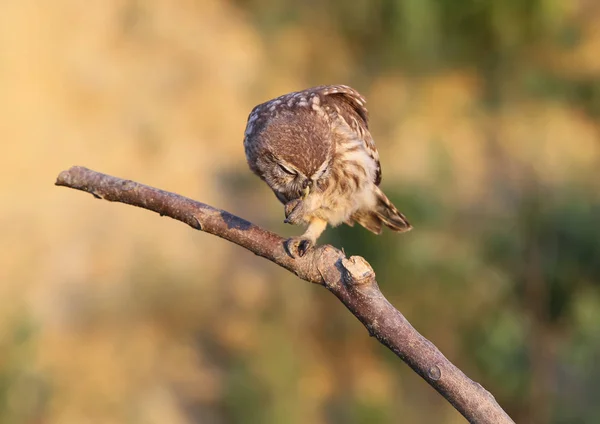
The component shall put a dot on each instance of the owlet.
(314, 150)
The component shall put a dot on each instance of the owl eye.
(286, 169)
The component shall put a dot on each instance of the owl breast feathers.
(314, 150)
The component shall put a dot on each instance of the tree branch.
(351, 280)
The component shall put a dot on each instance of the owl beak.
(306, 190)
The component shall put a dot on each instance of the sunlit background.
(486, 115)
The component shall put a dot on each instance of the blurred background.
(486, 115)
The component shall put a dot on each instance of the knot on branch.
(128, 185)
(435, 373)
(357, 271)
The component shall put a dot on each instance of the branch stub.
(357, 271)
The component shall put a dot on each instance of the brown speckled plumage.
(315, 151)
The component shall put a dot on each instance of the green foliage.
(245, 395)
(554, 238)
(430, 33)
(23, 393)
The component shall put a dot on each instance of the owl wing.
(350, 105)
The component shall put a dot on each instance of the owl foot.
(298, 246)
(294, 211)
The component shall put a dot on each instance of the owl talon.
(294, 211)
(298, 246)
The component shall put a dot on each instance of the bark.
(351, 280)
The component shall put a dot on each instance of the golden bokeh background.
(486, 115)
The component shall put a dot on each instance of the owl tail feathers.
(383, 213)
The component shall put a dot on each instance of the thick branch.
(351, 280)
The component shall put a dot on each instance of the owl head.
(290, 153)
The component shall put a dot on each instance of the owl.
(313, 148)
